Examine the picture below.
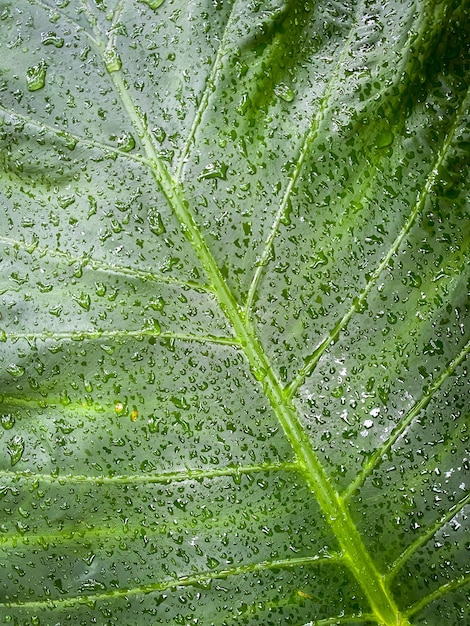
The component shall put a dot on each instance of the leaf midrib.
(336, 512)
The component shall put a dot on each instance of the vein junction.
(336, 512)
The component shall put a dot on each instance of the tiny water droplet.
(36, 76)
(284, 92)
(15, 448)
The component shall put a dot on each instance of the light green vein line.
(304, 151)
(438, 593)
(119, 334)
(163, 478)
(336, 512)
(405, 422)
(210, 83)
(112, 29)
(97, 265)
(343, 619)
(426, 536)
(57, 9)
(175, 583)
(358, 303)
(65, 135)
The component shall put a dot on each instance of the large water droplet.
(214, 170)
(384, 140)
(112, 60)
(126, 142)
(284, 92)
(15, 448)
(155, 221)
(36, 76)
(15, 370)
(7, 420)
(51, 38)
(83, 300)
(153, 4)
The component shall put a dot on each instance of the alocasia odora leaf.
(234, 299)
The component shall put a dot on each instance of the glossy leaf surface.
(234, 328)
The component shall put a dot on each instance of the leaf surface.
(234, 256)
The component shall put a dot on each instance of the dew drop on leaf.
(155, 222)
(284, 92)
(212, 563)
(15, 448)
(50, 38)
(36, 76)
(384, 140)
(112, 61)
(83, 300)
(15, 370)
(126, 142)
(7, 420)
(153, 4)
(214, 170)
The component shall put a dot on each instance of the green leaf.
(234, 312)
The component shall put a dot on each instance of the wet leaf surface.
(234, 254)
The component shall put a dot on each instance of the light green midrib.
(336, 513)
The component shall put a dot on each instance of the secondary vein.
(174, 583)
(304, 151)
(358, 303)
(406, 421)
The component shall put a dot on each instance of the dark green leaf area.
(57, 532)
(97, 406)
(223, 601)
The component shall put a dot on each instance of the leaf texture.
(234, 253)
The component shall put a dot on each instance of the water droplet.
(112, 60)
(212, 562)
(214, 170)
(155, 222)
(83, 300)
(7, 420)
(15, 370)
(258, 372)
(152, 325)
(153, 4)
(126, 142)
(51, 38)
(15, 448)
(36, 76)
(384, 140)
(284, 92)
